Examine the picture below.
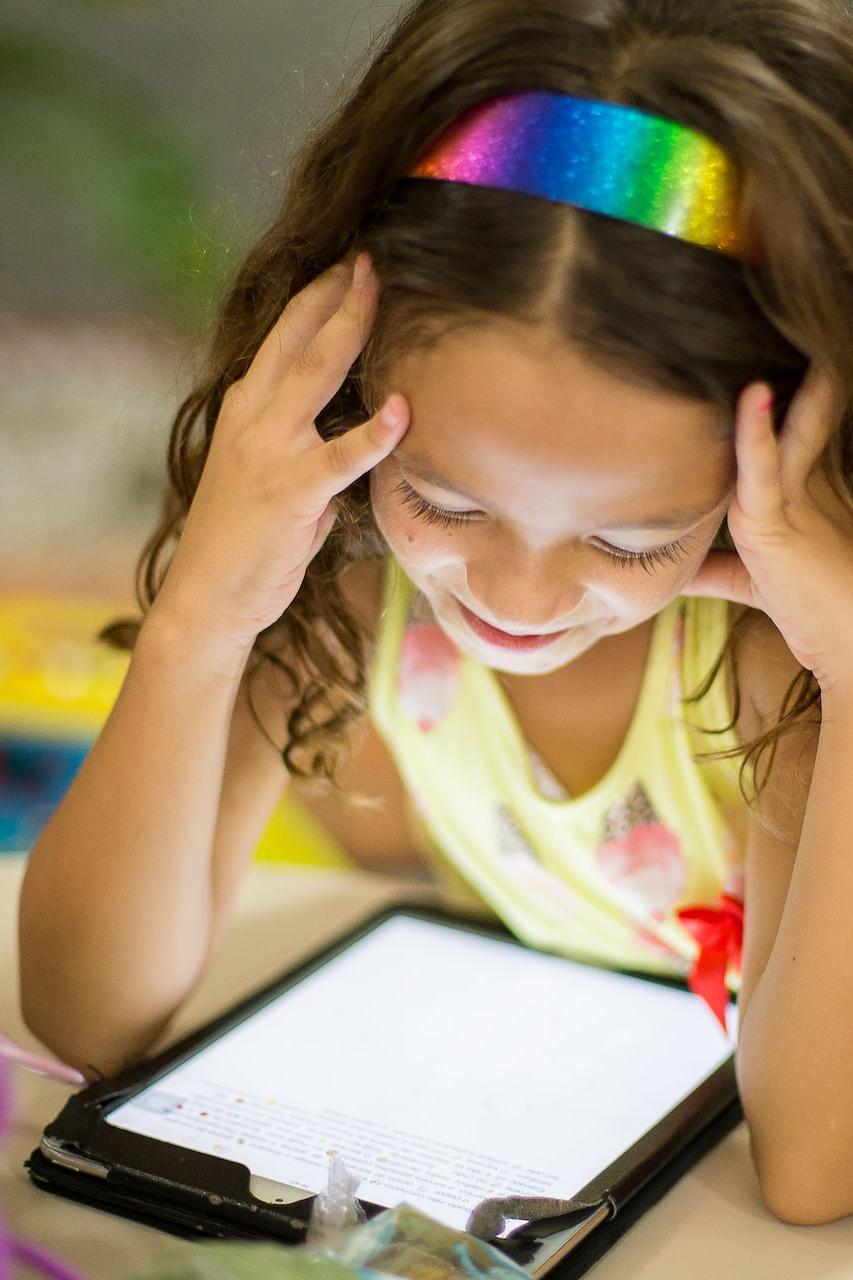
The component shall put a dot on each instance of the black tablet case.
(207, 1196)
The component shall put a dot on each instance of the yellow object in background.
(293, 834)
(56, 681)
(58, 684)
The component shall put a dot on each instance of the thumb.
(722, 576)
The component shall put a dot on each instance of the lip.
(502, 639)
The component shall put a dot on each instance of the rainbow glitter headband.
(600, 156)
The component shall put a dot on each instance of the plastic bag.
(335, 1209)
(343, 1244)
(403, 1242)
(399, 1242)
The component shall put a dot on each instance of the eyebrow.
(677, 518)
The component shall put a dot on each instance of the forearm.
(795, 1050)
(115, 909)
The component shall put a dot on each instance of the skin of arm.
(121, 889)
(796, 1000)
(133, 881)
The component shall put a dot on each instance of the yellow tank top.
(597, 877)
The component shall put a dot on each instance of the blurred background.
(143, 144)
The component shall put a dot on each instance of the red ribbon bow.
(719, 932)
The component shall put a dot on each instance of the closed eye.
(431, 514)
(672, 552)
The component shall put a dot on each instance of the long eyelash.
(648, 560)
(426, 510)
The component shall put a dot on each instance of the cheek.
(410, 538)
(633, 593)
(686, 571)
(633, 590)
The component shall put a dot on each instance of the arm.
(130, 886)
(796, 1005)
(792, 526)
(139, 862)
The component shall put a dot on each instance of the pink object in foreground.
(51, 1067)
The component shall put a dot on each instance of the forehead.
(510, 410)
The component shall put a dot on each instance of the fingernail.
(764, 406)
(361, 270)
(390, 416)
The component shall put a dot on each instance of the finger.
(813, 415)
(759, 480)
(296, 327)
(322, 366)
(723, 576)
(338, 462)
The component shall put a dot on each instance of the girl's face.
(545, 496)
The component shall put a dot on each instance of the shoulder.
(766, 671)
(766, 668)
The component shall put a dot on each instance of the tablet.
(445, 1061)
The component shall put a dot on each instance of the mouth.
(503, 639)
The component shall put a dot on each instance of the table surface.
(712, 1223)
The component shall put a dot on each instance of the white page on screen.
(444, 1067)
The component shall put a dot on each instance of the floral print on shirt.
(640, 856)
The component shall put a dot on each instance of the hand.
(265, 503)
(794, 535)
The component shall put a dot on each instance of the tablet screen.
(444, 1067)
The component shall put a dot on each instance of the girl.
(520, 482)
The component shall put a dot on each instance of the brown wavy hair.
(770, 80)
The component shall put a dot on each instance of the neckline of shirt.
(655, 678)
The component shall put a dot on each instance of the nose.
(525, 591)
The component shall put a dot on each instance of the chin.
(520, 664)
